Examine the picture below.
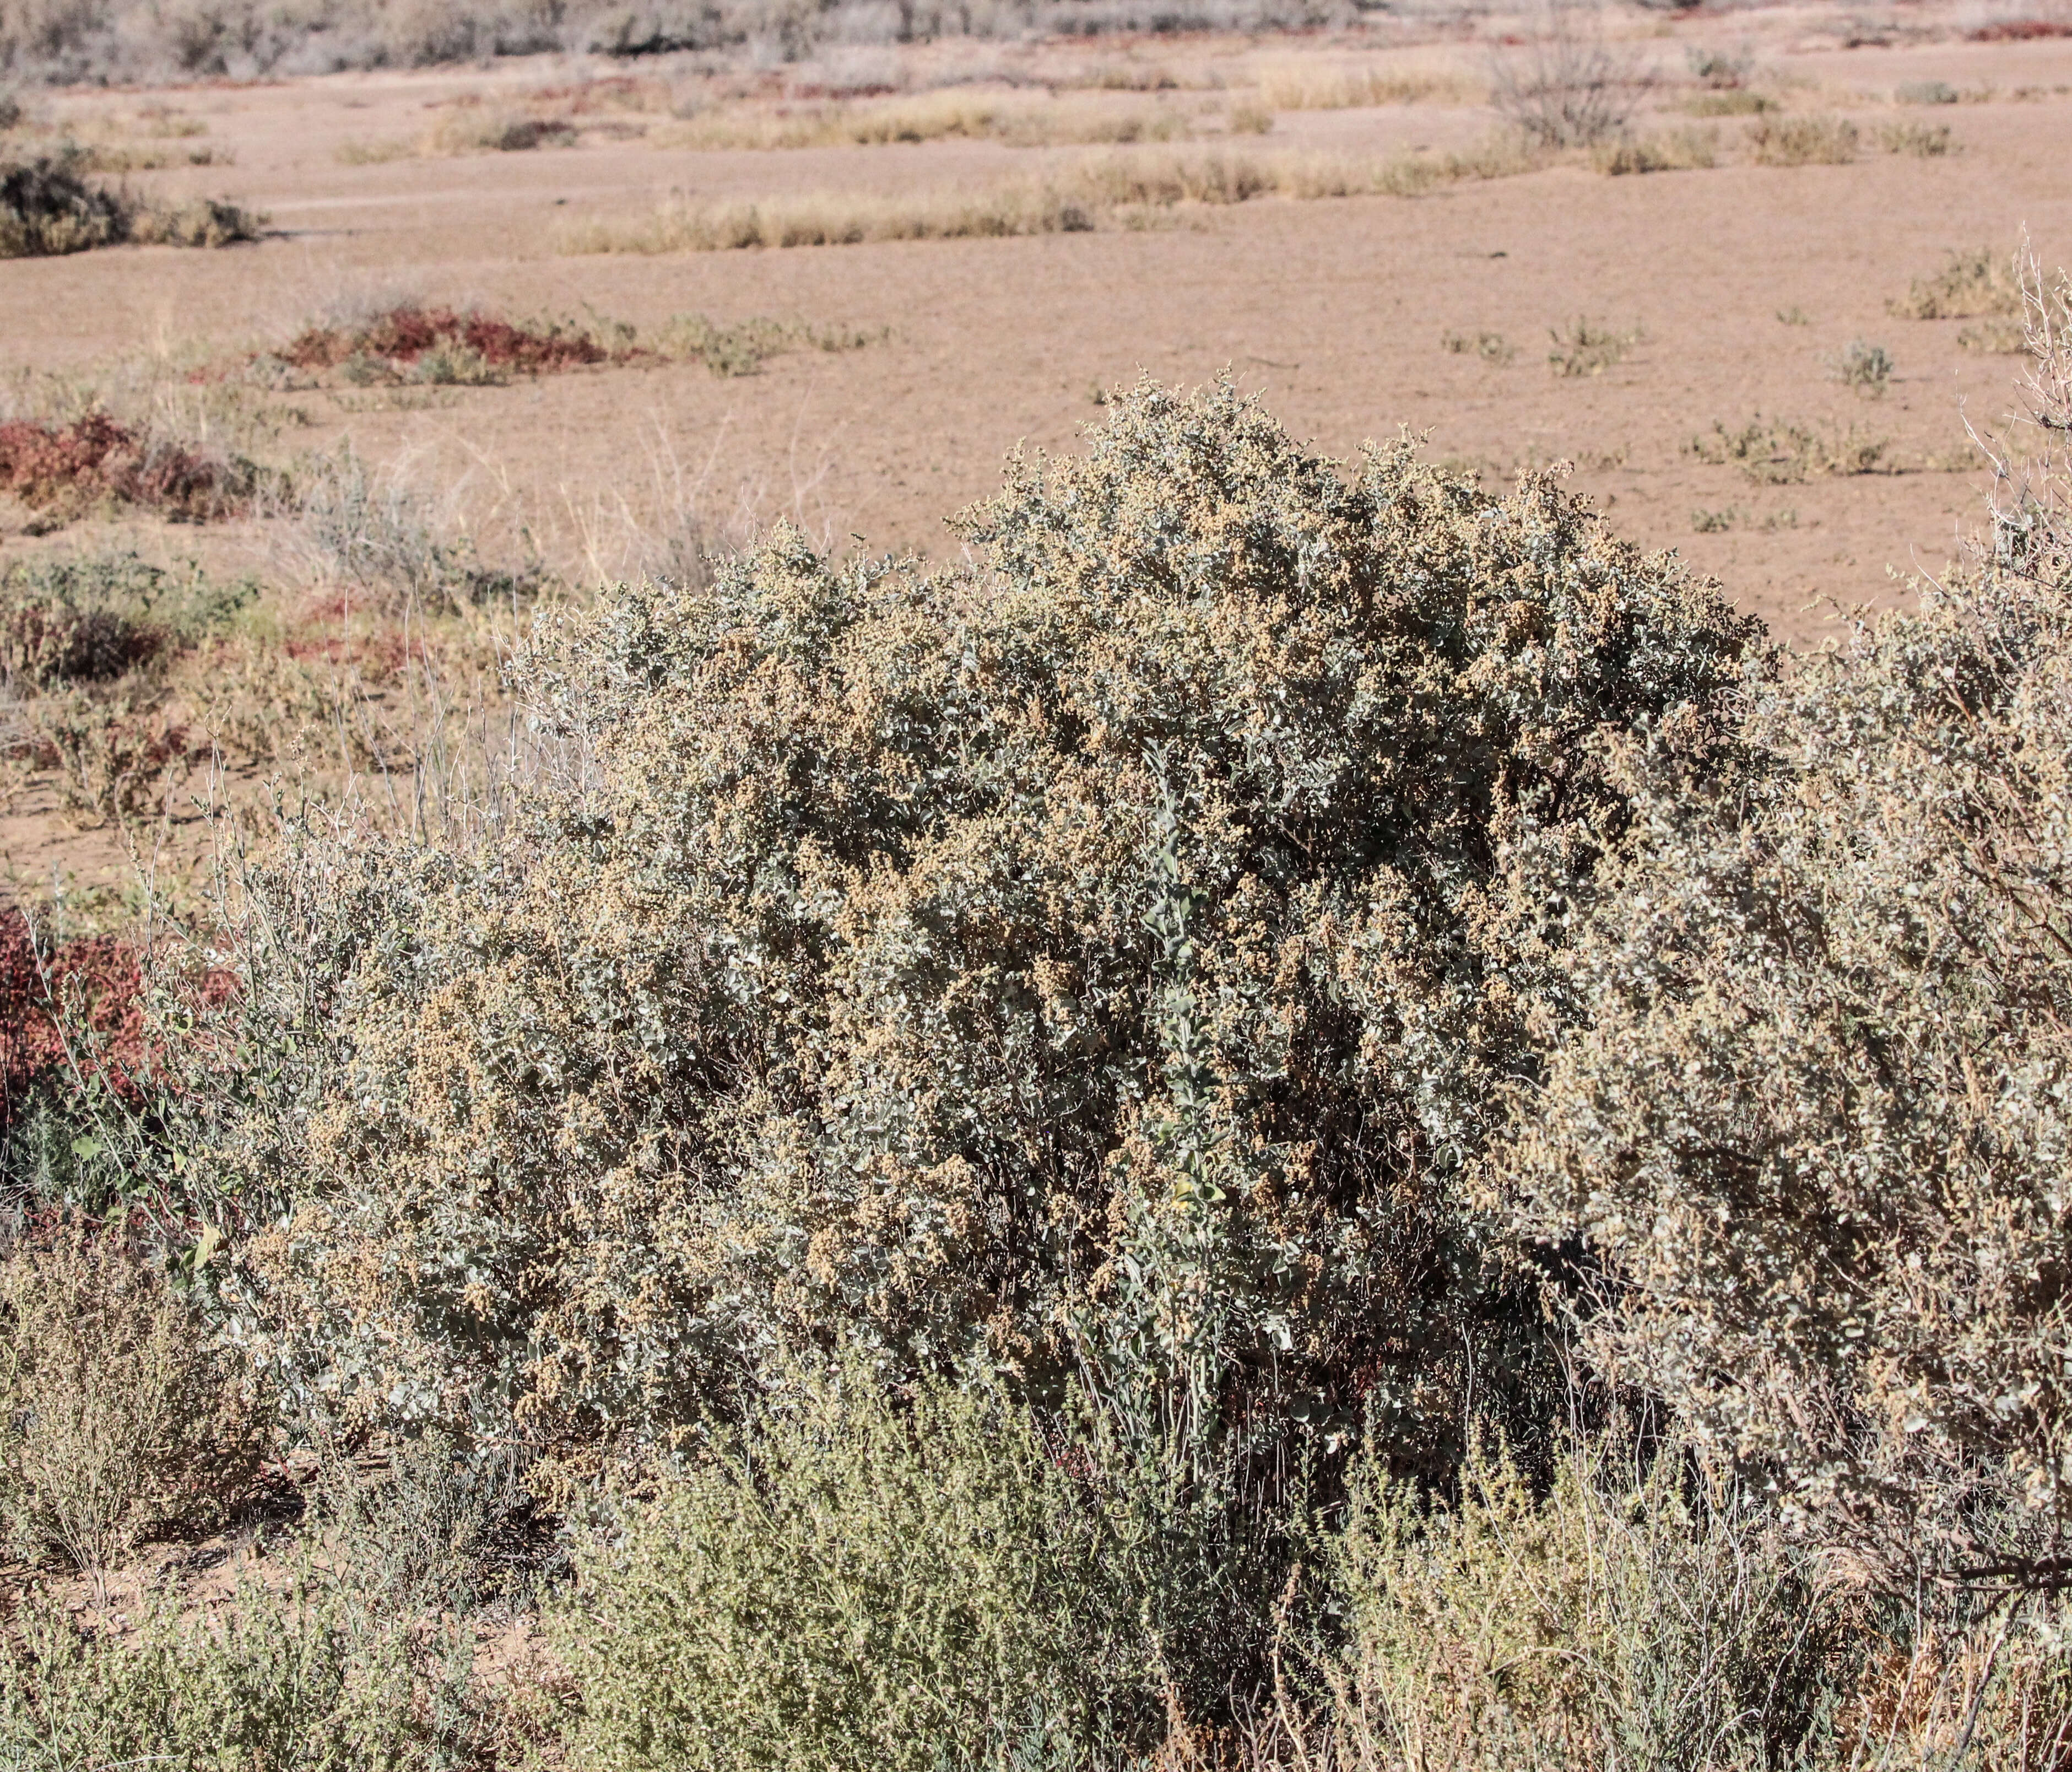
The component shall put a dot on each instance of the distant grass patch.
(1588, 347)
(1773, 453)
(1802, 141)
(1298, 84)
(1675, 150)
(1733, 103)
(1125, 187)
(1018, 119)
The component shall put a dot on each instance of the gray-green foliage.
(1811, 1118)
(853, 1582)
(309, 1677)
(1628, 1615)
(1081, 961)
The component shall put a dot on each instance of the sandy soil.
(1334, 311)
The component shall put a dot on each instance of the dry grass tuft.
(1677, 151)
(1802, 141)
(1923, 141)
(1297, 83)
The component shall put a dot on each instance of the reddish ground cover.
(404, 335)
(97, 458)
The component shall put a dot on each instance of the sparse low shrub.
(1802, 141)
(200, 221)
(1865, 367)
(1774, 453)
(116, 1415)
(1678, 150)
(1736, 103)
(1588, 347)
(1925, 92)
(1720, 70)
(1923, 141)
(483, 129)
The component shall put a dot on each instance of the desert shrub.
(1630, 1612)
(116, 1414)
(1567, 87)
(1969, 284)
(200, 221)
(314, 1674)
(1490, 347)
(1090, 959)
(1865, 367)
(47, 205)
(479, 129)
(1589, 347)
(854, 1583)
(1773, 452)
(1923, 141)
(1802, 141)
(1814, 1131)
(1719, 70)
(1679, 151)
(1925, 92)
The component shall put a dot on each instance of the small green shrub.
(312, 1677)
(117, 1416)
(855, 1584)
(1865, 367)
(1629, 1615)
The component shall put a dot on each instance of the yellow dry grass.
(1119, 185)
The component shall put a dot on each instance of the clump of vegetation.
(469, 126)
(1840, 984)
(1737, 103)
(1569, 86)
(49, 205)
(116, 1415)
(1072, 654)
(1677, 151)
(1774, 453)
(741, 347)
(1802, 141)
(1719, 70)
(432, 344)
(1865, 367)
(62, 469)
(1589, 347)
(1490, 347)
(1925, 92)
(1923, 141)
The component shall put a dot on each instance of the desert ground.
(899, 372)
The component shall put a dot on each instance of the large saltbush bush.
(1095, 961)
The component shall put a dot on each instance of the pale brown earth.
(1334, 311)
